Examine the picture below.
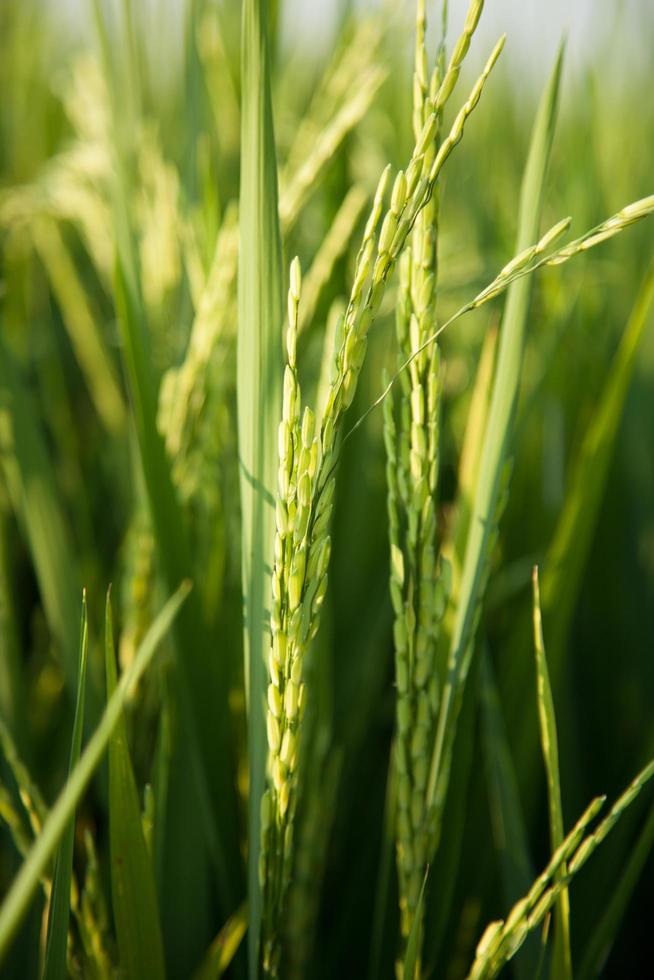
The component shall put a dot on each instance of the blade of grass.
(26, 882)
(259, 373)
(561, 968)
(133, 890)
(224, 947)
(59, 911)
(496, 447)
(506, 809)
(447, 865)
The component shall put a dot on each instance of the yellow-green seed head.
(296, 278)
(399, 195)
(278, 773)
(274, 701)
(291, 700)
(288, 749)
(274, 736)
(308, 427)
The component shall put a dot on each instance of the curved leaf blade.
(59, 912)
(26, 882)
(133, 889)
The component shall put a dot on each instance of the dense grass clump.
(326, 557)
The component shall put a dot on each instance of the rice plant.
(291, 414)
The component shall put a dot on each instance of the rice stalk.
(506, 811)
(62, 879)
(419, 578)
(417, 593)
(306, 483)
(562, 957)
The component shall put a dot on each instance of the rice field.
(326, 496)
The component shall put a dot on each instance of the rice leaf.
(133, 891)
(446, 868)
(17, 900)
(562, 957)
(259, 373)
(453, 547)
(224, 947)
(496, 446)
(509, 829)
(475, 427)
(59, 911)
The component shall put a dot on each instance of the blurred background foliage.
(73, 505)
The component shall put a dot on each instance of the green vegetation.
(323, 726)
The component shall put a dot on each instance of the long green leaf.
(496, 447)
(59, 912)
(506, 810)
(562, 958)
(259, 372)
(133, 890)
(224, 947)
(26, 882)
